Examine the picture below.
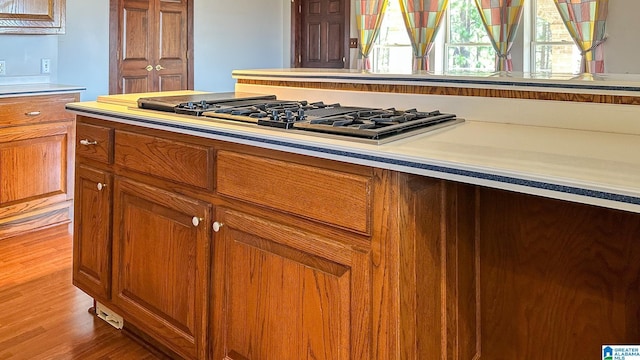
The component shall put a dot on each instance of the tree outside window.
(468, 45)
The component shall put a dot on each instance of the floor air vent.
(109, 316)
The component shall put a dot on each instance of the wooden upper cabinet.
(151, 41)
(32, 16)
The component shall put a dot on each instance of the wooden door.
(151, 44)
(283, 293)
(92, 230)
(321, 28)
(161, 265)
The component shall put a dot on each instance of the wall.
(239, 34)
(22, 55)
(84, 48)
(228, 35)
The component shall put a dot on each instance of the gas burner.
(377, 124)
(364, 124)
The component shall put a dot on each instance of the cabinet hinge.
(300, 8)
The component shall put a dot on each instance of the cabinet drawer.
(94, 142)
(35, 109)
(178, 161)
(333, 197)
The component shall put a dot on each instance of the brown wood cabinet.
(226, 251)
(33, 17)
(161, 262)
(92, 246)
(36, 157)
(307, 292)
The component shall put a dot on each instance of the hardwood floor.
(42, 315)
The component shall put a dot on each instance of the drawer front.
(94, 142)
(173, 160)
(35, 109)
(332, 197)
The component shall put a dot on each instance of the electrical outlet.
(3, 68)
(45, 66)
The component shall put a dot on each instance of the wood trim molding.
(455, 91)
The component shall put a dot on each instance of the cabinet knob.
(33, 113)
(88, 142)
(159, 67)
(101, 186)
(196, 221)
(217, 226)
(149, 67)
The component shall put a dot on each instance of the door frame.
(114, 53)
(296, 33)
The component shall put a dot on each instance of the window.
(392, 50)
(552, 49)
(468, 47)
(465, 45)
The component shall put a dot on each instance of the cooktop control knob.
(301, 114)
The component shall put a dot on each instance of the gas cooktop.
(364, 124)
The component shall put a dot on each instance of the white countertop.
(619, 84)
(591, 167)
(36, 89)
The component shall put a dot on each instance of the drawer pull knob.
(217, 226)
(101, 186)
(88, 142)
(196, 221)
(33, 113)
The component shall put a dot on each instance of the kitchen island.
(483, 240)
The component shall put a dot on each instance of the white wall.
(239, 34)
(83, 51)
(622, 49)
(22, 55)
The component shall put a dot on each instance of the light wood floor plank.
(42, 315)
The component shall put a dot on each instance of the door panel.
(323, 38)
(172, 47)
(135, 84)
(33, 168)
(150, 39)
(314, 47)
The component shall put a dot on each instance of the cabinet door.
(283, 293)
(161, 264)
(33, 163)
(32, 16)
(92, 232)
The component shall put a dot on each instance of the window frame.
(533, 35)
(446, 43)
